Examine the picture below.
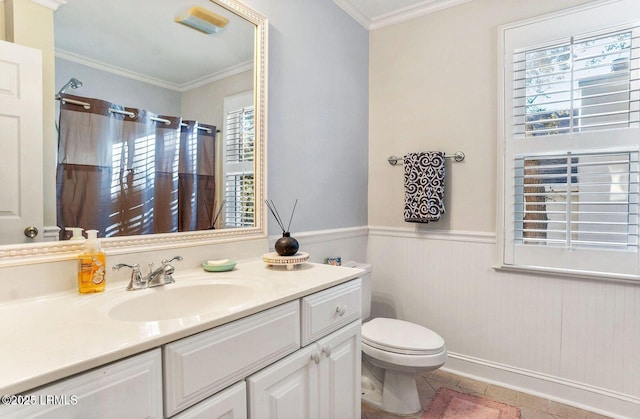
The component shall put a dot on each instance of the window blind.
(240, 135)
(577, 200)
(239, 192)
(583, 83)
(571, 141)
(240, 200)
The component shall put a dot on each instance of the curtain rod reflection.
(128, 113)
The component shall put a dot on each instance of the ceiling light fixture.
(202, 20)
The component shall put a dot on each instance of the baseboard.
(580, 395)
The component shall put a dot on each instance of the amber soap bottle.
(91, 266)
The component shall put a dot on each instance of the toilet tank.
(366, 286)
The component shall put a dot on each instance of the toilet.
(393, 352)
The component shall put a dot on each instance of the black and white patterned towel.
(423, 186)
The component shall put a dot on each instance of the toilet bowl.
(393, 352)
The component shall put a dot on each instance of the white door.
(20, 142)
(339, 373)
(286, 389)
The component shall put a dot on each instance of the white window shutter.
(571, 136)
(239, 192)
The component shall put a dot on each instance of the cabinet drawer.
(201, 365)
(328, 310)
(129, 388)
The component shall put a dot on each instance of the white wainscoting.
(576, 341)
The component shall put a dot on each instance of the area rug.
(450, 404)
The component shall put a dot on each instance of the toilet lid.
(402, 337)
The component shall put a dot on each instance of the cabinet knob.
(341, 309)
(316, 358)
(326, 350)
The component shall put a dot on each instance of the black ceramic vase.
(286, 245)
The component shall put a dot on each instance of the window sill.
(568, 273)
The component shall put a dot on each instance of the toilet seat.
(401, 337)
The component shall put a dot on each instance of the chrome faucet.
(136, 282)
(162, 275)
(158, 277)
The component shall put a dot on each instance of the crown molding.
(420, 9)
(50, 4)
(354, 12)
(220, 75)
(99, 65)
(401, 15)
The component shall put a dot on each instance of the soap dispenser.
(76, 233)
(91, 266)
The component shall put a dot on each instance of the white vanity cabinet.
(131, 388)
(230, 403)
(288, 389)
(298, 360)
(339, 373)
(322, 380)
(200, 365)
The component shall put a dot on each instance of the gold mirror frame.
(18, 254)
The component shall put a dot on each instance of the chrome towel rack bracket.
(457, 156)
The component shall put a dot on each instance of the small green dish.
(219, 268)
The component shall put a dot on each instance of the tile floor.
(531, 407)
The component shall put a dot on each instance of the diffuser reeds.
(214, 219)
(276, 215)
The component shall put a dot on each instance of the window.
(239, 151)
(239, 196)
(570, 140)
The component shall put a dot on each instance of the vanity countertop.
(53, 337)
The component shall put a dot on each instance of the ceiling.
(145, 43)
(376, 14)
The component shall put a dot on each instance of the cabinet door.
(339, 373)
(228, 404)
(130, 388)
(286, 389)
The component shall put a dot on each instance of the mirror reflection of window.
(238, 161)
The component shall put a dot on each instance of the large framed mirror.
(201, 63)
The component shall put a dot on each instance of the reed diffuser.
(285, 245)
(214, 219)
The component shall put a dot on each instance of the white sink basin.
(177, 300)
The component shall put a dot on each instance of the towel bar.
(457, 156)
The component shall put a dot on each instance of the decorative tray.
(274, 259)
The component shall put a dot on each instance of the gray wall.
(317, 113)
(117, 89)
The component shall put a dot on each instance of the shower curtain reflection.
(119, 170)
(196, 176)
